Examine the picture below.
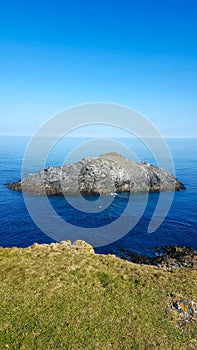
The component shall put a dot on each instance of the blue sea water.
(179, 227)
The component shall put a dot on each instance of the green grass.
(60, 298)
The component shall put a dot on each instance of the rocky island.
(106, 174)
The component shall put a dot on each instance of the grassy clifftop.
(54, 297)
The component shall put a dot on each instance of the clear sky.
(57, 54)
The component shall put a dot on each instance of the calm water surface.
(179, 228)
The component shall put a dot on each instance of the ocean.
(17, 228)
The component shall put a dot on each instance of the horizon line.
(101, 136)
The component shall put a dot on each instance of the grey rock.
(108, 173)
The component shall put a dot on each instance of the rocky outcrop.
(78, 246)
(168, 257)
(108, 173)
(187, 308)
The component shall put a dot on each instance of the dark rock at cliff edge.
(168, 257)
(108, 173)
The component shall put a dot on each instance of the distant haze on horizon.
(58, 54)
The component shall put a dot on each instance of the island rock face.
(106, 174)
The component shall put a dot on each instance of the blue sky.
(57, 54)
